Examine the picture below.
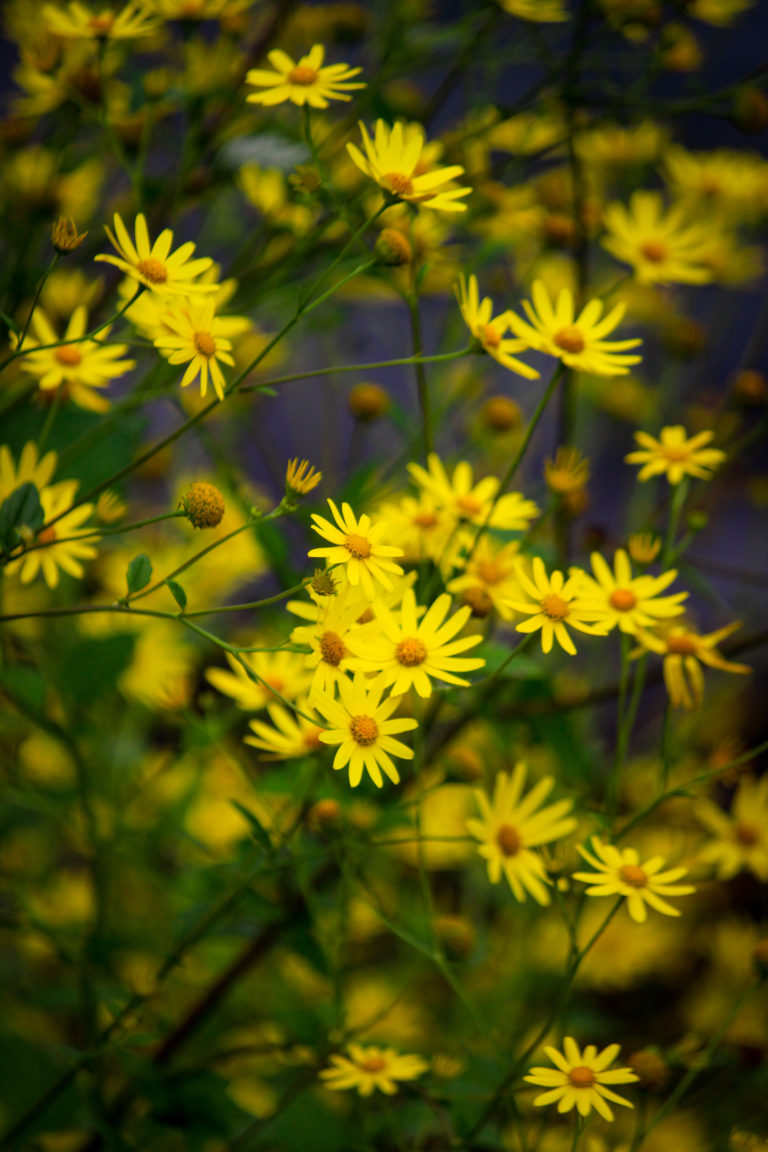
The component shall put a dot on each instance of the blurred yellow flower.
(740, 837)
(684, 651)
(579, 1079)
(489, 332)
(618, 872)
(77, 22)
(307, 82)
(392, 159)
(664, 246)
(620, 600)
(371, 1068)
(674, 455)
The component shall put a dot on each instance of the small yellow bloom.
(290, 736)
(739, 837)
(154, 265)
(355, 543)
(664, 246)
(620, 600)
(489, 332)
(471, 502)
(363, 730)
(684, 651)
(568, 473)
(392, 158)
(579, 1079)
(308, 82)
(77, 22)
(618, 872)
(643, 548)
(674, 455)
(554, 603)
(195, 336)
(371, 1068)
(301, 477)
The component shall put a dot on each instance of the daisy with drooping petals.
(663, 245)
(355, 543)
(674, 455)
(472, 502)
(307, 82)
(291, 735)
(739, 837)
(512, 826)
(77, 369)
(554, 604)
(369, 1068)
(489, 332)
(200, 339)
(620, 600)
(392, 160)
(684, 651)
(408, 652)
(363, 730)
(579, 341)
(154, 265)
(76, 22)
(618, 872)
(579, 1079)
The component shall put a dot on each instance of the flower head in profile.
(489, 332)
(579, 341)
(154, 265)
(194, 335)
(619, 872)
(290, 736)
(684, 651)
(739, 838)
(79, 369)
(553, 606)
(306, 82)
(392, 158)
(675, 455)
(363, 730)
(369, 1068)
(620, 600)
(255, 677)
(663, 245)
(409, 652)
(512, 826)
(356, 544)
(579, 1079)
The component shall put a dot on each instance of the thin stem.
(401, 362)
(422, 388)
(622, 728)
(38, 292)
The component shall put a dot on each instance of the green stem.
(679, 497)
(422, 388)
(622, 729)
(401, 362)
(38, 292)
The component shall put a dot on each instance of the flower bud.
(392, 248)
(368, 402)
(650, 1068)
(456, 935)
(65, 237)
(500, 414)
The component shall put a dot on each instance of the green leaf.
(257, 828)
(25, 685)
(139, 572)
(178, 593)
(88, 668)
(22, 509)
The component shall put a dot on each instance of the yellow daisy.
(618, 872)
(306, 82)
(620, 600)
(408, 651)
(739, 837)
(470, 502)
(489, 580)
(554, 606)
(334, 620)
(512, 826)
(154, 265)
(392, 160)
(684, 651)
(369, 1068)
(579, 1079)
(539, 11)
(674, 455)
(489, 332)
(664, 246)
(281, 672)
(77, 22)
(31, 469)
(290, 736)
(77, 369)
(577, 341)
(355, 543)
(200, 339)
(363, 730)
(54, 548)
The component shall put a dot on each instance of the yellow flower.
(489, 332)
(30, 469)
(57, 547)
(355, 543)
(301, 477)
(684, 651)
(489, 579)
(392, 159)
(722, 180)
(579, 1079)
(620, 600)
(200, 339)
(154, 265)
(306, 82)
(663, 247)
(512, 826)
(77, 369)
(740, 837)
(421, 528)
(554, 603)
(273, 672)
(368, 1068)
(470, 502)
(407, 652)
(291, 735)
(644, 547)
(76, 22)
(675, 456)
(718, 12)
(540, 11)
(568, 473)
(620, 873)
(363, 730)
(332, 622)
(579, 342)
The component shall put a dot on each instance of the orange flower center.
(312, 739)
(411, 651)
(332, 648)
(373, 1064)
(425, 520)
(153, 270)
(508, 840)
(47, 536)
(569, 339)
(205, 344)
(275, 683)
(302, 75)
(654, 251)
(622, 599)
(69, 356)
(490, 337)
(490, 572)
(365, 617)
(469, 505)
(554, 607)
(681, 645)
(399, 184)
(364, 730)
(101, 24)
(746, 833)
(633, 875)
(357, 546)
(581, 1077)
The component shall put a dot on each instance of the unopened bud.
(749, 110)
(750, 388)
(65, 237)
(478, 600)
(500, 414)
(324, 814)
(392, 248)
(456, 935)
(650, 1068)
(368, 402)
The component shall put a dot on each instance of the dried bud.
(465, 764)
(203, 505)
(65, 237)
(559, 229)
(305, 179)
(456, 935)
(750, 388)
(500, 414)
(368, 402)
(650, 1068)
(684, 338)
(392, 248)
(322, 583)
